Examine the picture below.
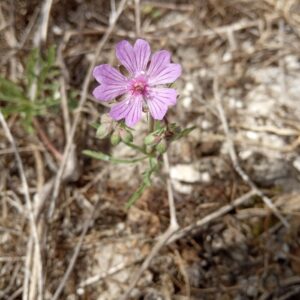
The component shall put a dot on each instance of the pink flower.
(143, 86)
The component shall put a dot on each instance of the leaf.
(135, 147)
(136, 195)
(97, 155)
(30, 72)
(158, 125)
(51, 56)
(42, 72)
(10, 91)
(105, 157)
(184, 132)
(94, 125)
(153, 162)
(73, 99)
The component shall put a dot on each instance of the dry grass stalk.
(33, 256)
(83, 98)
(234, 157)
(262, 35)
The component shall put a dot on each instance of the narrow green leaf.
(135, 147)
(136, 195)
(51, 56)
(30, 73)
(106, 157)
(97, 155)
(184, 133)
(153, 165)
(10, 91)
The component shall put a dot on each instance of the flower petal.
(135, 113)
(167, 74)
(158, 61)
(159, 100)
(157, 109)
(164, 95)
(130, 109)
(142, 54)
(108, 75)
(126, 55)
(105, 92)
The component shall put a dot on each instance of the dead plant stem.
(234, 158)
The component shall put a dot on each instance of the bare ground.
(70, 236)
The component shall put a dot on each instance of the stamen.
(139, 86)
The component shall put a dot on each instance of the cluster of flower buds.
(156, 141)
(118, 132)
(160, 139)
(121, 134)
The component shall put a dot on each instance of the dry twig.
(211, 217)
(137, 17)
(34, 232)
(74, 257)
(83, 98)
(234, 157)
(68, 148)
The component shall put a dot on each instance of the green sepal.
(115, 138)
(161, 147)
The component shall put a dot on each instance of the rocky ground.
(235, 178)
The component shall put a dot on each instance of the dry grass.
(69, 236)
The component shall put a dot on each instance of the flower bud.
(105, 118)
(154, 162)
(151, 139)
(103, 130)
(149, 149)
(126, 136)
(161, 147)
(115, 138)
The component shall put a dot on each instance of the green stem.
(127, 161)
(136, 195)
(106, 157)
(136, 147)
(146, 183)
(150, 123)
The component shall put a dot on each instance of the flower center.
(139, 86)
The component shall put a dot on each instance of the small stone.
(80, 291)
(208, 148)
(187, 101)
(227, 57)
(186, 173)
(206, 125)
(182, 188)
(189, 87)
(205, 177)
(252, 135)
(296, 163)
